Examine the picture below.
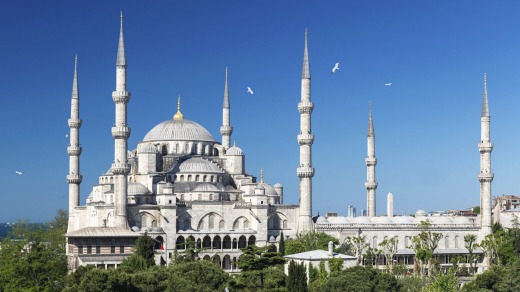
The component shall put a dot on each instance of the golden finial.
(261, 175)
(178, 115)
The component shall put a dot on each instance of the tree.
(444, 283)
(255, 259)
(309, 241)
(297, 278)
(359, 244)
(389, 249)
(144, 247)
(196, 276)
(425, 244)
(281, 244)
(356, 279)
(191, 252)
(469, 244)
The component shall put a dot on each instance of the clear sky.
(427, 123)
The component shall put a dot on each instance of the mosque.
(180, 184)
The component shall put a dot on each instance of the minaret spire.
(120, 131)
(485, 175)
(178, 115)
(305, 171)
(371, 161)
(226, 128)
(74, 178)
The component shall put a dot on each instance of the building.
(506, 210)
(180, 185)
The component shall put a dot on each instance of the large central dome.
(178, 130)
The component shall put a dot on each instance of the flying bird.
(388, 84)
(18, 172)
(336, 68)
(249, 90)
(66, 135)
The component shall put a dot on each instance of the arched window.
(206, 242)
(159, 243)
(284, 224)
(217, 242)
(242, 242)
(211, 223)
(246, 224)
(374, 242)
(221, 225)
(200, 197)
(211, 197)
(235, 243)
(197, 177)
(226, 243)
(182, 177)
(189, 177)
(252, 240)
(204, 178)
(447, 242)
(226, 262)
(180, 243)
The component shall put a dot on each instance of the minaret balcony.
(74, 150)
(485, 147)
(121, 96)
(120, 168)
(370, 161)
(74, 178)
(305, 139)
(371, 185)
(305, 171)
(305, 107)
(74, 123)
(226, 130)
(120, 132)
(485, 177)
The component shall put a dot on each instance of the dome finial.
(261, 175)
(178, 115)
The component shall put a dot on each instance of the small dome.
(235, 151)
(136, 229)
(420, 213)
(402, 220)
(197, 165)
(260, 187)
(168, 185)
(321, 219)
(206, 187)
(146, 148)
(381, 220)
(362, 220)
(178, 130)
(269, 189)
(137, 189)
(271, 239)
(230, 188)
(338, 220)
(278, 185)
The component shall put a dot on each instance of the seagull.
(388, 84)
(66, 135)
(249, 90)
(336, 67)
(18, 172)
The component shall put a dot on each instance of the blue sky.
(427, 123)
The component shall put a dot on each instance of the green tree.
(389, 249)
(309, 241)
(357, 279)
(469, 244)
(444, 283)
(359, 244)
(281, 244)
(196, 276)
(255, 260)
(297, 277)
(144, 247)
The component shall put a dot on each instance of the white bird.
(66, 135)
(336, 68)
(388, 84)
(249, 90)
(18, 172)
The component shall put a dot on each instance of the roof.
(318, 255)
(102, 258)
(102, 232)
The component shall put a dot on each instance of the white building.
(180, 184)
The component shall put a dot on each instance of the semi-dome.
(206, 187)
(197, 164)
(338, 220)
(269, 189)
(178, 130)
(362, 219)
(137, 189)
(321, 220)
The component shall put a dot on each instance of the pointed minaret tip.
(121, 56)
(226, 91)
(370, 121)
(306, 71)
(485, 105)
(178, 115)
(261, 175)
(75, 89)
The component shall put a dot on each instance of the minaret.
(120, 132)
(371, 161)
(226, 128)
(305, 171)
(485, 176)
(390, 205)
(74, 178)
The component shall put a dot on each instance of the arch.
(251, 240)
(200, 197)
(217, 242)
(180, 243)
(182, 197)
(189, 177)
(199, 243)
(159, 243)
(284, 224)
(211, 221)
(182, 177)
(216, 260)
(221, 225)
(226, 242)
(246, 224)
(206, 242)
(235, 243)
(226, 262)
(190, 241)
(211, 197)
(272, 248)
(242, 242)
(206, 258)
(239, 223)
(197, 177)
(211, 178)
(204, 178)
